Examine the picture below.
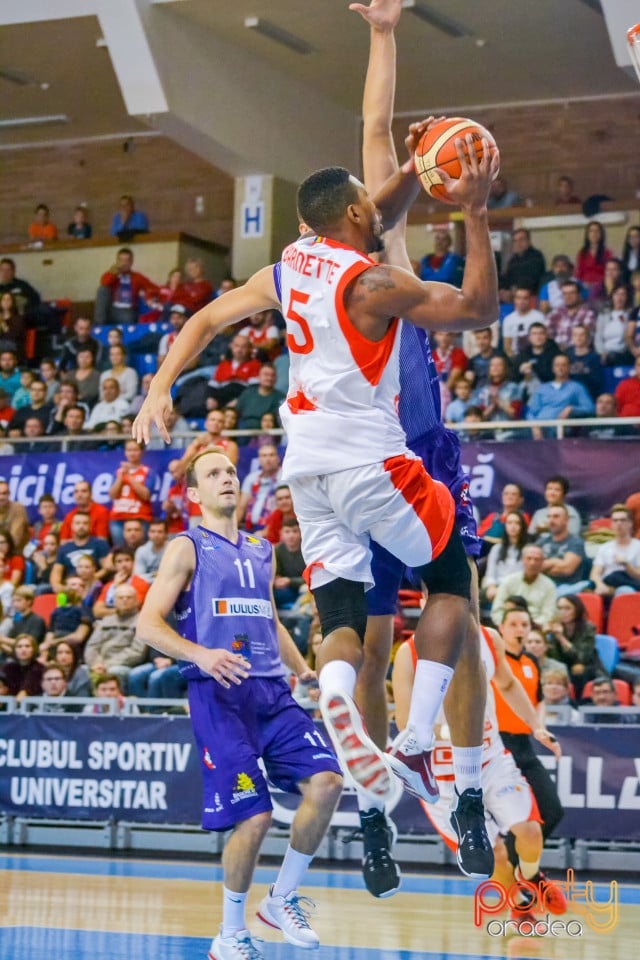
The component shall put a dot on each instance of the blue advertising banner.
(145, 769)
(87, 767)
(601, 472)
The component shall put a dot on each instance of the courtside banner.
(601, 472)
(87, 767)
(146, 769)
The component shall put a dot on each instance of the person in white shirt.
(111, 407)
(616, 566)
(149, 555)
(515, 325)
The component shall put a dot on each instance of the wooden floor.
(66, 908)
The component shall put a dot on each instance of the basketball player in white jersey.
(421, 418)
(347, 464)
(508, 798)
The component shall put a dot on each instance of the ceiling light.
(438, 20)
(34, 121)
(278, 35)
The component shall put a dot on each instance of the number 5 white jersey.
(341, 409)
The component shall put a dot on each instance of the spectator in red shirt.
(118, 296)
(628, 393)
(47, 523)
(233, 375)
(195, 292)
(283, 511)
(14, 565)
(123, 560)
(593, 255)
(7, 412)
(98, 515)
(450, 361)
(263, 334)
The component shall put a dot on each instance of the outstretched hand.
(416, 132)
(381, 15)
(155, 409)
(548, 740)
(471, 189)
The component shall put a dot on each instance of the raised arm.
(259, 293)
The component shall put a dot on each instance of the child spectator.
(41, 230)
(79, 228)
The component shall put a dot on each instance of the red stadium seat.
(624, 614)
(44, 605)
(595, 609)
(623, 691)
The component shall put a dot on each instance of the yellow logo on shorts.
(245, 788)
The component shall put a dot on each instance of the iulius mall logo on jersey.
(531, 906)
(238, 606)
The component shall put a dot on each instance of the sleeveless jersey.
(341, 408)
(127, 505)
(419, 407)
(492, 745)
(228, 603)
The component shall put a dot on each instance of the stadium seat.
(144, 363)
(595, 609)
(613, 376)
(623, 691)
(44, 604)
(624, 614)
(608, 651)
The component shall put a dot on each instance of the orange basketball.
(437, 149)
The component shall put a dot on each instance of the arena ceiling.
(192, 69)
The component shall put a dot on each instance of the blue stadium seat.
(144, 363)
(613, 376)
(608, 651)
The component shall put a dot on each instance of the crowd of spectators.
(545, 358)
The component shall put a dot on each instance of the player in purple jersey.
(231, 645)
(420, 415)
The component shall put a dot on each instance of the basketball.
(437, 149)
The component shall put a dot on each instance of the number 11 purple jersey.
(228, 603)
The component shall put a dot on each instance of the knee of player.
(528, 831)
(341, 604)
(324, 789)
(256, 826)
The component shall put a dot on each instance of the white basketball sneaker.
(357, 753)
(290, 914)
(238, 947)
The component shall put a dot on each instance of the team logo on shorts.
(464, 492)
(206, 759)
(241, 607)
(245, 788)
(218, 802)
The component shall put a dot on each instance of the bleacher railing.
(523, 427)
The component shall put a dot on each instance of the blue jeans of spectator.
(166, 683)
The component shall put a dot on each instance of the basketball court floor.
(86, 908)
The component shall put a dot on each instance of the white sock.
(467, 767)
(366, 802)
(429, 687)
(233, 912)
(294, 866)
(338, 675)
(528, 869)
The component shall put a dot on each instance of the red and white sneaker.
(290, 914)
(356, 751)
(412, 766)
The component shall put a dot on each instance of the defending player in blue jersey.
(420, 415)
(231, 645)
